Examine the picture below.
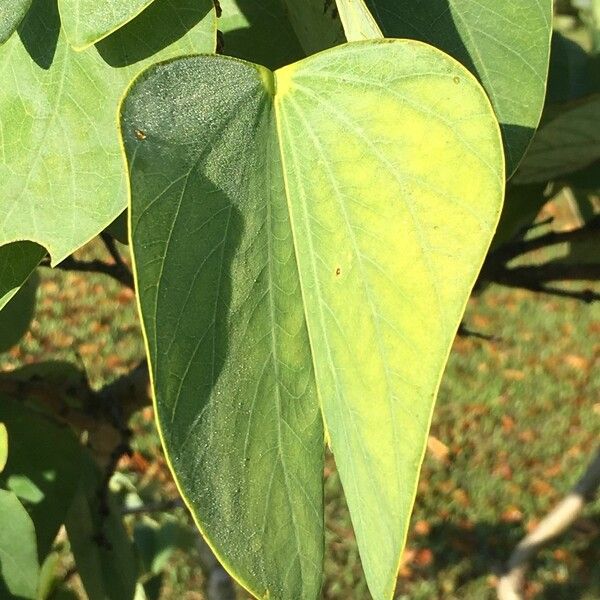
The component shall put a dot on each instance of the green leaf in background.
(11, 14)
(87, 21)
(16, 316)
(506, 44)
(58, 117)
(19, 567)
(568, 143)
(298, 259)
(316, 23)
(100, 544)
(3, 446)
(259, 32)
(17, 262)
(43, 468)
(359, 24)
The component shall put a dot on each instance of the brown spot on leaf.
(140, 135)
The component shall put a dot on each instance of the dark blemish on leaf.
(140, 135)
(456, 80)
(218, 8)
(338, 272)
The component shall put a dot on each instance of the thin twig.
(553, 524)
(95, 266)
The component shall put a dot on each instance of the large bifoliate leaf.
(259, 31)
(506, 44)
(305, 242)
(17, 261)
(19, 567)
(61, 173)
(87, 21)
(11, 14)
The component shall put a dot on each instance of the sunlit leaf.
(62, 178)
(359, 23)
(87, 21)
(11, 14)
(298, 259)
(506, 44)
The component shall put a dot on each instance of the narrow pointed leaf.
(11, 14)
(506, 44)
(61, 175)
(16, 316)
(19, 567)
(359, 24)
(17, 261)
(296, 254)
(87, 21)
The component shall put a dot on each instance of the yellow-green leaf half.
(305, 242)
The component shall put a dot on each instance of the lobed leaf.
(305, 242)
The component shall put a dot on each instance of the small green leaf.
(62, 178)
(3, 446)
(11, 14)
(101, 547)
(17, 262)
(87, 21)
(506, 44)
(568, 143)
(300, 260)
(19, 567)
(43, 468)
(16, 316)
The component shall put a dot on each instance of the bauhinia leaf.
(506, 44)
(359, 24)
(305, 242)
(17, 261)
(87, 21)
(11, 14)
(568, 143)
(61, 172)
(19, 567)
